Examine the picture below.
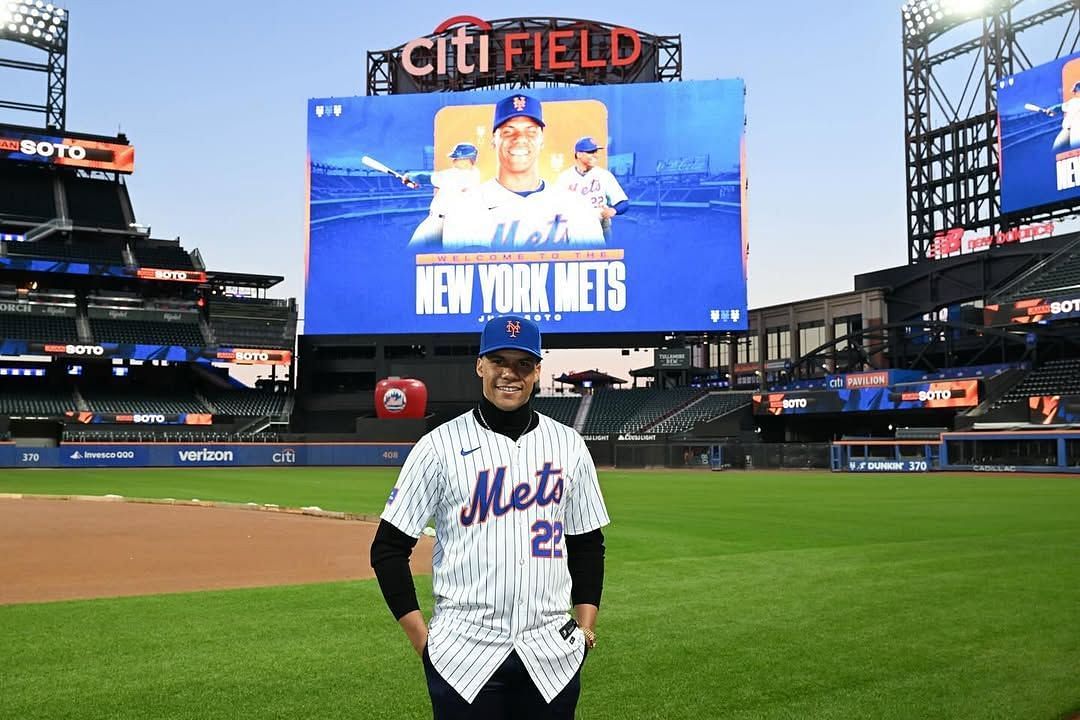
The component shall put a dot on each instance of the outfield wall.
(203, 455)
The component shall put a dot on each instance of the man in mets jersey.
(518, 516)
(517, 209)
(595, 184)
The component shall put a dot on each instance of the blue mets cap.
(463, 151)
(586, 144)
(518, 106)
(511, 332)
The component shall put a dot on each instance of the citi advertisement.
(1039, 124)
(587, 209)
(18, 144)
(908, 396)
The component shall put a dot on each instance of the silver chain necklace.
(484, 422)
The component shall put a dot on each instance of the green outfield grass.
(728, 595)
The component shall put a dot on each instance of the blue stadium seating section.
(1058, 377)
(710, 407)
(561, 409)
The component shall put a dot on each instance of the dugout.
(1020, 451)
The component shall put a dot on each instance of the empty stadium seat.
(252, 323)
(38, 328)
(710, 407)
(105, 252)
(163, 256)
(1058, 377)
(147, 332)
(20, 400)
(561, 409)
(141, 400)
(248, 403)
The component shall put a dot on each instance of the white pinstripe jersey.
(597, 186)
(490, 216)
(501, 581)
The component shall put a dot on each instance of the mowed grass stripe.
(727, 595)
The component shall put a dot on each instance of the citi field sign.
(466, 44)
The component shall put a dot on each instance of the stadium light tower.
(955, 54)
(43, 26)
(923, 18)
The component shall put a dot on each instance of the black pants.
(509, 695)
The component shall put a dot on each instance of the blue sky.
(213, 96)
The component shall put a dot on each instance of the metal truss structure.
(955, 53)
(44, 27)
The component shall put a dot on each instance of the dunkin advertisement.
(587, 209)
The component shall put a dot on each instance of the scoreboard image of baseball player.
(462, 207)
(1039, 126)
(598, 187)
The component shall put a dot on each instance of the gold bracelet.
(590, 637)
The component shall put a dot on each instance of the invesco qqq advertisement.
(1039, 119)
(589, 209)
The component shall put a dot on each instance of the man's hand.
(407, 182)
(607, 213)
(586, 619)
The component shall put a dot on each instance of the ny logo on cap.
(519, 102)
(513, 327)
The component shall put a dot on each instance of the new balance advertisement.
(53, 149)
(1039, 125)
(1033, 310)
(1054, 409)
(907, 396)
(587, 209)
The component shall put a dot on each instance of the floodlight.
(33, 23)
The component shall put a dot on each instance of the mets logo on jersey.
(513, 327)
(519, 103)
(488, 495)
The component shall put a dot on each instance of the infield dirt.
(67, 549)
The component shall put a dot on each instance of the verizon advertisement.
(24, 146)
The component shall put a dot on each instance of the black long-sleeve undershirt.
(391, 548)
